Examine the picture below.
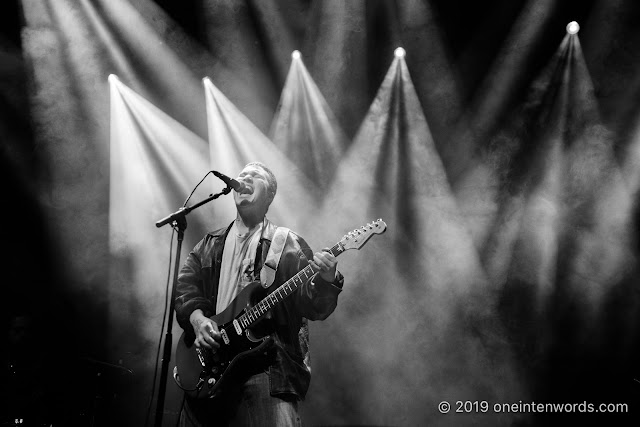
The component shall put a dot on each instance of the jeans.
(251, 405)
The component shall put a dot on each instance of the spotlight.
(399, 52)
(295, 54)
(573, 27)
(113, 78)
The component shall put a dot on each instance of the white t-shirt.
(236, 270)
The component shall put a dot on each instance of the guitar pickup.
(236, 325)
(225, 337)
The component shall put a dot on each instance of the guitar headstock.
(357, 238)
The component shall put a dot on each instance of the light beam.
(235, 141)
(305, 129)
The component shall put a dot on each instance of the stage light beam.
(305, 128)
(234, 141)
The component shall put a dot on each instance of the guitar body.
(244, 329)
(202, 373)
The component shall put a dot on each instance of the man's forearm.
(196, 318)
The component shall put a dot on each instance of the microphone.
(237, 186)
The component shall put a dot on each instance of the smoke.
(416, 323)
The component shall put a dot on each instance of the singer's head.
(258, 178)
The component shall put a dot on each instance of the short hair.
(271, 178)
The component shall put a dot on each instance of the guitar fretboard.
(287, 288)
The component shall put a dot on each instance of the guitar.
(202, 373)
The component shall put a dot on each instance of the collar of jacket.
(267, 233)
(221, 234)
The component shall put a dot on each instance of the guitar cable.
(164, 319)
(184, 396)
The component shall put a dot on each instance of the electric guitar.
(202, 373)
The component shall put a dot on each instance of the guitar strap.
(268, 271)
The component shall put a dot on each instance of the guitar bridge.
(200, 357)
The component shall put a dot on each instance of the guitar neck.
(287, 288)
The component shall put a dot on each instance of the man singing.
(267, 391)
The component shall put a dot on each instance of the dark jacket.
(315, 300)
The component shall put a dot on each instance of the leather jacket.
(316, 299)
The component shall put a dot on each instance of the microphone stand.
(179, 221)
